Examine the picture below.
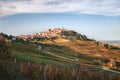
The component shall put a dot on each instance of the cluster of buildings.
(56, 32)
(50, 33)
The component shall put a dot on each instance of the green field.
(60, 55)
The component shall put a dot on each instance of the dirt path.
(60, 56)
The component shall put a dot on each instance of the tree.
(4, 35)
(4, 49)
(4, 54)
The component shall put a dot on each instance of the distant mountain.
(114, 42)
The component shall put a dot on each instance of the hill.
(62, 55)
(72, 40)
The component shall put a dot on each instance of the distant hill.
(114, 42)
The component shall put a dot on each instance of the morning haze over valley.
(59, 40)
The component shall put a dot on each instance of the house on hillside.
(12, 40)
(111, 63)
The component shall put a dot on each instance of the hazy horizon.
(97, 19)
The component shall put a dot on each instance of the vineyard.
(40, 71)
(54, 61)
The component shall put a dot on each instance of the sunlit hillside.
(63, 56)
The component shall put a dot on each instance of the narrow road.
(60, 56)
(103, 68)
(107, 69)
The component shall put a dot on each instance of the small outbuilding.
(39, 47)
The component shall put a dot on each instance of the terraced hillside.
(59, 59)
(62, 52)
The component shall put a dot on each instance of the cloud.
(94, 7)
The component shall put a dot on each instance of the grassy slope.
(29, 52)
(84, 51)
(89, 48)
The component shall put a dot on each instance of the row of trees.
(6, 36)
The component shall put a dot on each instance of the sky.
(97, 19)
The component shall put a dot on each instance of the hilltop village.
(45, 34)
(51, 34)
